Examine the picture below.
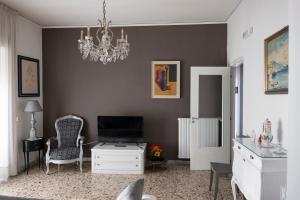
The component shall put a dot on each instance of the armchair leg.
(81, 155)
(48, 157)
(80, 165)
(47, 165)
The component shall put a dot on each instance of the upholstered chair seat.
(66, 153)
(67, 146)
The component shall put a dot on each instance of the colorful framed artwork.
(165, 81)
(28, 77)
(276, 62)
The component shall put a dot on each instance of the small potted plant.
(156, 152)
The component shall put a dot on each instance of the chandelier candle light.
(104, 50)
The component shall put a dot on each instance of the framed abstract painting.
(28, 77)
(165, 80)
(276, 62)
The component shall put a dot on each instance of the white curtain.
(8, 140)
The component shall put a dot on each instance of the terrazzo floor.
(173, 183)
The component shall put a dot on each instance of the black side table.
(32, 145)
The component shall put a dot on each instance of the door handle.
(193, 119)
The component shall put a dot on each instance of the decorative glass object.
(103, 50)
(267, 136)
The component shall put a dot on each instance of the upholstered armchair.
(67, 146)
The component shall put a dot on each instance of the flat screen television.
(120, 129)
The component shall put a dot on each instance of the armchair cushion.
(67, 153)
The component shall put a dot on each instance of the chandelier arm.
(97, 35)
(94, 46)
(112, 34)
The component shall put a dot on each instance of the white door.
(210, 130)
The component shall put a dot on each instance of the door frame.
(201, 157)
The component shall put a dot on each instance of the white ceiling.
(49, 13)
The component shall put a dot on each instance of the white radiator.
(184, 131)
(208, 134)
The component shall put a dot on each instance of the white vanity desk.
(258, 172)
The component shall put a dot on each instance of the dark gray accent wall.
(88, 89)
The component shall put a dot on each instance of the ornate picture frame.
(165, 82)
(28, 77)
(276, 62)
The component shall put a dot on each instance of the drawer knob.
(251, 157)
(136, 158)
(136, 165)
(244, 159)
(239, 147)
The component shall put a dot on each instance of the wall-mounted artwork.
(28, 77)
(165, 81)
(276, 62)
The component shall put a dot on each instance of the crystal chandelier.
(104, 49)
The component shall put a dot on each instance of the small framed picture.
(165, 80)
(277, 62)
(28, 77)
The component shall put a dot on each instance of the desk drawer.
(117, 157)
(248, 155)
(128, 166)
(34, 145)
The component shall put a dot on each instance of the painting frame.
(267, 79)
(175, 85)
(26, 87)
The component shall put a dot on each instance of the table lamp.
(33, 106)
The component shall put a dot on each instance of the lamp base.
(32, 134)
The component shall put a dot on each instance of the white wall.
(293, 180)
(266, 17)
(28, 43)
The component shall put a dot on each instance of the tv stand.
(119, 158)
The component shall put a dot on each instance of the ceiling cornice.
(138, 25)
